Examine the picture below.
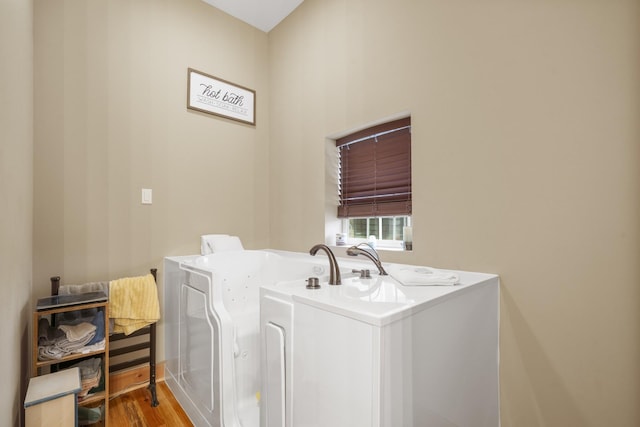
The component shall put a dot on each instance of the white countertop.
(378, 300)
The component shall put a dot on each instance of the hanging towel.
(133, 303)
(422, 276)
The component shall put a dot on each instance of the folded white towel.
(78, 332)
(422, 276)
(89, 348)
(63, 347)
(213, 243)
(84, 288)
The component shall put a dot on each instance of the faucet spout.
(370, 253)
(334, 270)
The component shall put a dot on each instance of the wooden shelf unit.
(101, 397)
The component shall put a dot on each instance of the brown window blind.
(375, 171)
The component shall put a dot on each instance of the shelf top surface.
(58, 301)
(52, 386)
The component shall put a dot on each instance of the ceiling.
(262, 14)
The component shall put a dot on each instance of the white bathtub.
(375, 352)
(212, 329)
(369, 353)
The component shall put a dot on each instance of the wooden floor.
(134, 409)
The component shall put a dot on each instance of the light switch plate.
(147, 196)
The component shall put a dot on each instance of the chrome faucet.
(370, 253)
(334, 270)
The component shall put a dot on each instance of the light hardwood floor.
(134, 409)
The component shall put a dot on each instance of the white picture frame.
(212, 95)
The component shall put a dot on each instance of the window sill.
(378, 249)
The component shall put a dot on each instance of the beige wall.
(16, 203)
(526, 159)
(111, 119)
(526, 163)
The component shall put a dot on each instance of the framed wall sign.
(209, 94)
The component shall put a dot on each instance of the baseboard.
(133, 378)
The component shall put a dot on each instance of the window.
(374, 182)
(388, 231)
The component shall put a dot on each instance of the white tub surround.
(212, 330)
(248, 345)
(373, 352)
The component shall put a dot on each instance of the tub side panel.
(441, 365)
(333, 369)
(173, 277)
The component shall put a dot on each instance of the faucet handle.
(313, 283)
(364, 274)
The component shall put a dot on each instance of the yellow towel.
(133, 303)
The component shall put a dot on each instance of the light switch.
(147, 196)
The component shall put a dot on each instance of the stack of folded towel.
(90, 374)
(214, 243)
(88, 416)
(75, 316)
(66, 339)
(84, 288)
